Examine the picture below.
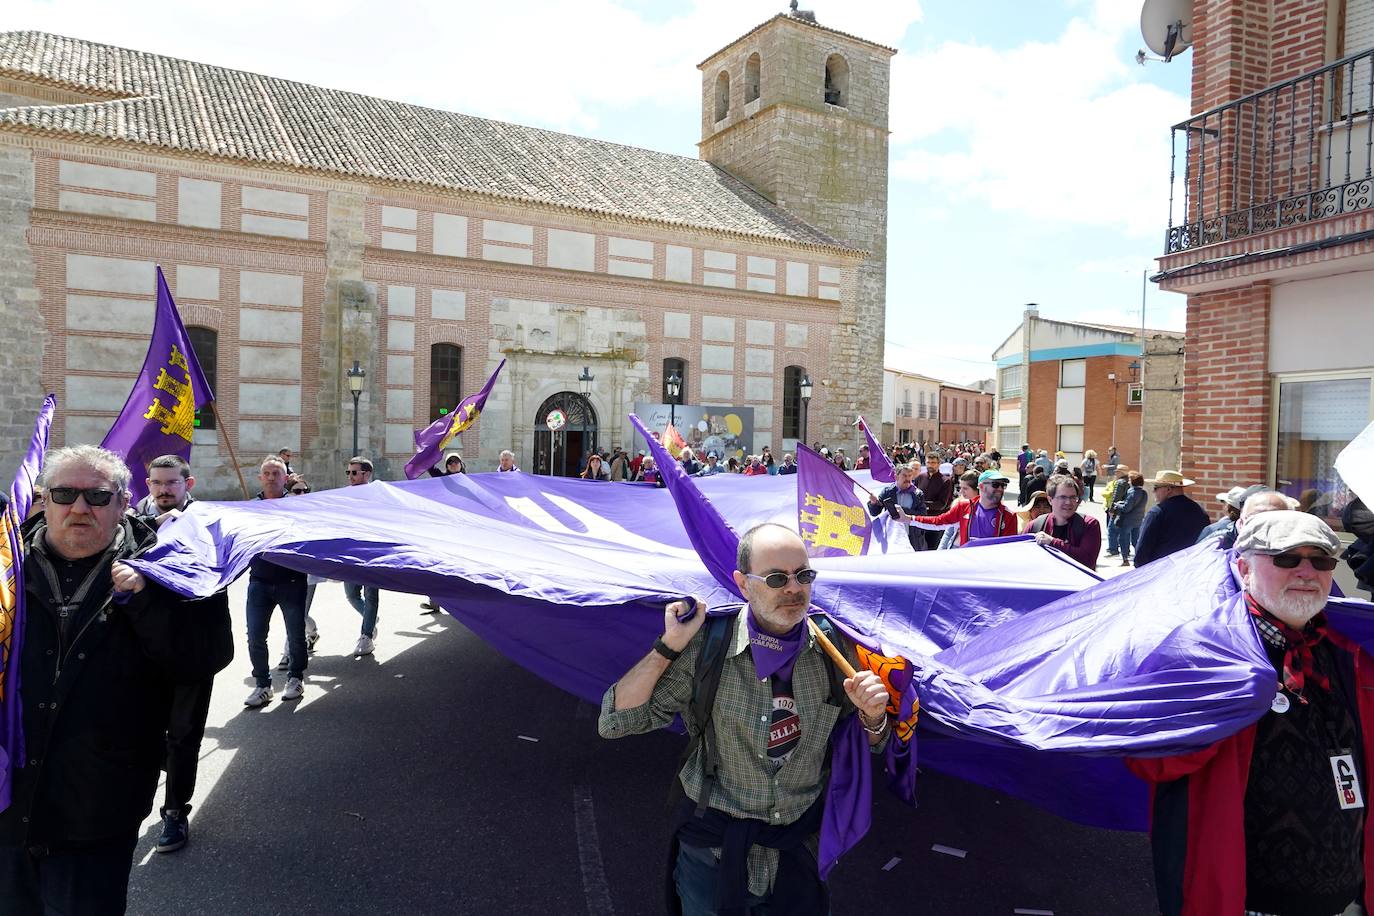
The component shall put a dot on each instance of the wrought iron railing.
(904, 410)
(1298, 151)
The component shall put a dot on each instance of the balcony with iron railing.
(904, 410)
(1299, 151)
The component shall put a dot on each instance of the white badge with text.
(1347, 784)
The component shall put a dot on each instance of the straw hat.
(1039, 496)
(1170, 479)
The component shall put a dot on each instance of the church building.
(305, 231)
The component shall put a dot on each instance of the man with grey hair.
(102, 651)
(271, 586)
(506, 461)
(1271, 820)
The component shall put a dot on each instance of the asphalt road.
(405, 783)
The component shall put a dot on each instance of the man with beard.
(746, 832)
(938, 490)
(169, 490)
(1271, 820)
(984, 517)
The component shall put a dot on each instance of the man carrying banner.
(746, 834)
(903, 500)
(271, 586)
(169, 494)
(1272, 820)
(102, 650)
(365, 599)
(985, 517)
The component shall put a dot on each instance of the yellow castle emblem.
(179, 419)
(831, 525)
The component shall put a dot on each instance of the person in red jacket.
(984, 518)
(1064, 528)
(1272, 819)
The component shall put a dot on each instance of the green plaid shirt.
(749, 785)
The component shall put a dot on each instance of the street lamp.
(805, 387)
(674, 389)
(356, 375)
(1134, 369)
(586, 378)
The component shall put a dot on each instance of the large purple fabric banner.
(160, 414)
(12, 599)
(1034, 676)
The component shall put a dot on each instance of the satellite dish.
(1167, 26)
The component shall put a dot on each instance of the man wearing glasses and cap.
(1173, 523)
(984, 517)
(746, 832)
(102, 651)
(1272, 820)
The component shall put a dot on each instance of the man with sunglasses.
(1272, 820)
(768, 730)
(366, 599)
(984, 517)
(102, 650)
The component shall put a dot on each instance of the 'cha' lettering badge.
(1280, 703)
(1347, 784)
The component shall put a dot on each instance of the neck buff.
(775, 654)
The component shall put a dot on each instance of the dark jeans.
(933, 538)
(364, 600)
(696, 875)
(92, 882)
(185, 729)
(1128, 535)
(1089, 483)
(263, 597)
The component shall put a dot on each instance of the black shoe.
(176, 830)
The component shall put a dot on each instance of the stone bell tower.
(799, 111)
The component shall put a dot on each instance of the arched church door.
(563, 452)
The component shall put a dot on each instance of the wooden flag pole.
(836, 655)
(219, 423)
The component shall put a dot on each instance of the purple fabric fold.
(431, 441)
(849, 795)
(12, 601)
(160, 415)
(879, 465)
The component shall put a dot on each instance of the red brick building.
(1271, 238)
(965, 414)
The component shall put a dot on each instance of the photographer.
(902, 500)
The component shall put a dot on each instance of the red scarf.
(1298, 662)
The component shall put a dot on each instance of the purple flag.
(431, 441)
(832, 519)
(12, 601)
(160, 414)
(715, 541)
(879, 465)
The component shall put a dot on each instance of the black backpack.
(717, 631)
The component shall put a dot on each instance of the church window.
(837, 81)
(205, 344)
(445, 379)
(722, 95)
(751, 78)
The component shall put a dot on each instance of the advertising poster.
(727, 431)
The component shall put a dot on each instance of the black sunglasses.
(1291, 561)
(779, 579)
(65, 496)
(300, 492)
(353, 473)
(998, 484)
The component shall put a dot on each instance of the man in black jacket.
(1173, 524)
(903, 499)
(102, 650)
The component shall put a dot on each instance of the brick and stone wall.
(23, 336)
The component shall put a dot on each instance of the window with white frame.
(1009, 381)
(1073, 373)
(1318, 416)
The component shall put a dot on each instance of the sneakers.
(293, 690)
(260, 696)
(428, 607)
(176, 830)
(364, 646)
(310, 639)
(285, 660)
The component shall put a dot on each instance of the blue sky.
(1029, 158)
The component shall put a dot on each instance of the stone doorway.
(564, 452)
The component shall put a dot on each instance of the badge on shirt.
(1280, 703)
(1347, 785)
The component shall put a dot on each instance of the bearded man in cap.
(1271, 820)
(1173, 523)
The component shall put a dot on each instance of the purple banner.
(431, 441)
(833, 521)
(880, 466)
(12, 600)
(160, 414)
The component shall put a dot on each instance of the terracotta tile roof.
(195, 108)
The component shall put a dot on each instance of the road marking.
(594, 886)
(949, 851)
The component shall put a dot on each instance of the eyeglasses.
(300, 492)
(1291, 561)
(65, 496)
(1072, 498)
(779, 579)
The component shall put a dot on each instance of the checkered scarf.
(1298, 664)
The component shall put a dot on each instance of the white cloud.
(544, 62)
(1064, 131)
